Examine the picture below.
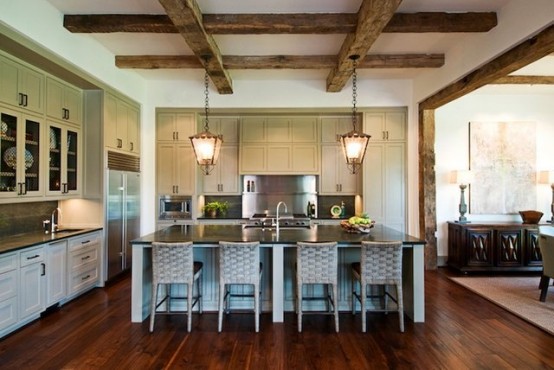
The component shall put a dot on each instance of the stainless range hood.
(268, 190)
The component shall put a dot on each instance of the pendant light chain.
(206, 101)
(354, 96)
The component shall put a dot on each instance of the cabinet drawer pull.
(85, 277)
(43, 269)
(85, 242)
(33, 257)
(132, 146)
(119, 143)
(177, 135)
(85, 258)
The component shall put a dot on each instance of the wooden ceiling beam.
(524, 80)
(318, 23)
(279, 61)
(187, 18)
(518, 57)
(373, 16)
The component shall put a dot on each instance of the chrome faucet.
(277, 215)
(55, 220)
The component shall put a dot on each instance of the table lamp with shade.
(547, 177)
(463, 178)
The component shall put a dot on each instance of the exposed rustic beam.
(279, 61)
(524, 80)
(519, 56)
(186, 16)
(318, 23)
(345, 23)
(427, 186)
(373, 16)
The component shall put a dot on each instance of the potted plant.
(215, 208)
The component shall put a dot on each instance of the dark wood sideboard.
(493, 247)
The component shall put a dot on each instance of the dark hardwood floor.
(462, 331)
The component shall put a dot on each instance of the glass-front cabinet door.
(20, 155)
(63, 161)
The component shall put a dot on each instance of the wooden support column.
(427, 186)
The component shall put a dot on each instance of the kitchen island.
(277, 254)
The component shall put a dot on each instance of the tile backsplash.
(18, 218)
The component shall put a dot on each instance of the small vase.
(212, 213)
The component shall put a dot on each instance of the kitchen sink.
(272, 228)
(60, 231)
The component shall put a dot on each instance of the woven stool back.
(239, 262)
(381, 262)
(317, 262)
(172, 263)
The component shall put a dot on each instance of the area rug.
(519, 295)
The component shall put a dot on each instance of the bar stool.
(316, 263)
(172, 263)
(239, 264)
(380, 264)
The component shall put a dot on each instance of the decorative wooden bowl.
(530, 217)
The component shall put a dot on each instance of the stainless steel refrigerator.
(122, 211)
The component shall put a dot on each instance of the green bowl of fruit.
(358, 224)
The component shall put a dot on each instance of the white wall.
(452, 148)
(516, 22)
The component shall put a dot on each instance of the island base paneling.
(278, 257)
(493, 247)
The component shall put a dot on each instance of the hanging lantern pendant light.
(205, 144)
(354, 143)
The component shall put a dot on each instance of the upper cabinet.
(21, 86)
(385, 126)
(175, 162)
(335, 178)
(333, 127)
(279, 145)
(121, 124)
(63, 101)
(224, 178)
(175, 127)
(63, 175)
(20, 155)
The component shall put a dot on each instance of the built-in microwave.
(175, 207)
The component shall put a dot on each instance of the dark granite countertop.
(20, 241)
(212, 234)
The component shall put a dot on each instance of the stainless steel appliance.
(174, 207)
(122, 211)
(268, 221)
(294, 190)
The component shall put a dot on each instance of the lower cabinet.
(83, 263)
(56, 274)
(9, 285)
(35, 278)
(32, 282)
(490, 247)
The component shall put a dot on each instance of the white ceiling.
(173, 44)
